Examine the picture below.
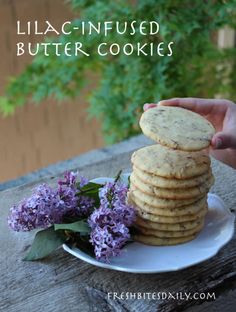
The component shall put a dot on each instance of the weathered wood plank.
(64, 283)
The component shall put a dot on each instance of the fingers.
(148, 105)
(198, 105)
(223, 140)
(201, 106)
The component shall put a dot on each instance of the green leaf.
(90, 187)
(78, 226)
(45, 242)
(91, 190)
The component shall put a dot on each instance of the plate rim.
(87, 258)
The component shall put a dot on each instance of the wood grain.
(39, 135)
(64, 283)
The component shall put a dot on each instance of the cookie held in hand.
(177, 128)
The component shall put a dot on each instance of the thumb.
(223, 140)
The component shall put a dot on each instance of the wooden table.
(64, 283)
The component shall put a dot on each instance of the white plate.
(140, 258)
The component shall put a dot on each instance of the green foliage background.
(196, 68)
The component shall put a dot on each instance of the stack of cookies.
(170, 180)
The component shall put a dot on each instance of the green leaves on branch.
(196, 68)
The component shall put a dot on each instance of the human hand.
(222, 114)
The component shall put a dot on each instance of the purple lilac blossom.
(108, 235)
(38, 211)
(113, 195)
(74, 205)
(109, 223)
(47, 206)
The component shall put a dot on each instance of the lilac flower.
(83, 181)
(113, 195)
(67, 192)
(85, 206)
(47, 206)
(70, 179)
(77, 205)
(109, 223)
(39, 210)
(108, 235)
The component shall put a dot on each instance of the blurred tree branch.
(126, 82)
